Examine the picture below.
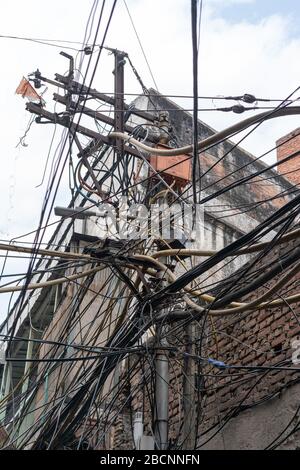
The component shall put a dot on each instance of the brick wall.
(289, 144)
(259, 338)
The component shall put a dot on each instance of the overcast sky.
(246, 46)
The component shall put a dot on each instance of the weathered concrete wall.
(236, 160)
(256, 428)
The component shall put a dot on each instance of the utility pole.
(119, 99)
(44, 116)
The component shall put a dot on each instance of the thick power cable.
(214, 139)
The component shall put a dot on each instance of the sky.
(246, 46)
(254, 10)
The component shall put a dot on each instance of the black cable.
(196, 160)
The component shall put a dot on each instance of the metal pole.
(161, 393)
(161, 404)
(28, 356)
(189, 415)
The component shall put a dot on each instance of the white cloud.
(256, 58)
(228, 2)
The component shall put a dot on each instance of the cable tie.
(216, 363)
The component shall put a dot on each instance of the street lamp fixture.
(77, 212)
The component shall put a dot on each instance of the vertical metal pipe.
(138, 429)
(7, 385)
(161, 425)
(28, 356)
(161, 395)
(189, 411)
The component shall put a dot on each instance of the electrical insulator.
(238, 108)
(37, 83)
(247, 98)
(87, 50)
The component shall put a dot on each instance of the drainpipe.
(28, 356)
(161, 402)
(161, 396)
(138, 429)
